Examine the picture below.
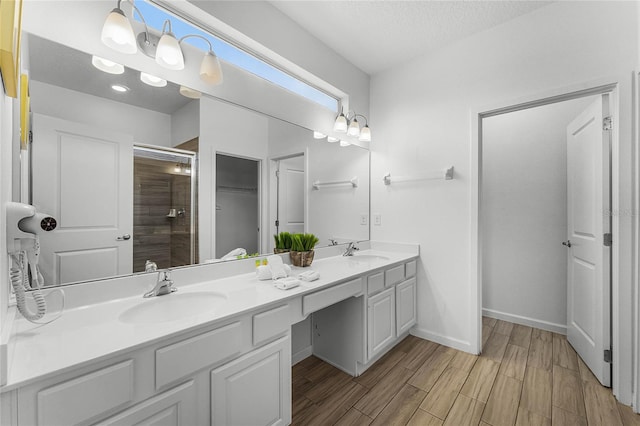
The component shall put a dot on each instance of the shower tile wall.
(157, 237)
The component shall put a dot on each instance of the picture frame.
(10, 23)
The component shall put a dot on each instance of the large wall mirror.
(136, 173)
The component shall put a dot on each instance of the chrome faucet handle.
(333, 241)
(351, 247)
(163, 286)
(150, 266)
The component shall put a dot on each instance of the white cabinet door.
(405, 306)
(255, 389)
(173, 407)
(381, 318)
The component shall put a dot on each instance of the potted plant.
(302, 245)
(283, 242)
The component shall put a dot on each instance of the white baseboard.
(451, 342)
(531, 322)
(302, 354)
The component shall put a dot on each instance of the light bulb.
(117, 33)
(177, 168)
(354, 128)
(152, 80)
(365, 134)
(210, 70)
(318, 135)
(340, 125)
(119, 88)
(106, 65)
(332, 139)
(169, 53)
(344, 143)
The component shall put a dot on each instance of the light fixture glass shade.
(344, 143)
(169, 54)
(117, 33)
(120, 88)
(365, 134)
(106, 65)
(318, 135)
(210, 70)
(341, 124)
(332, 139)
(190, 93)
(177, 168)
(354, 128)
(152, 80)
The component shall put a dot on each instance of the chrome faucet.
(351, 247)
(150, 266)
(163, 286)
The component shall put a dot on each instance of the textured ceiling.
(378, 34)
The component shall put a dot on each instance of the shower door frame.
(193, 157)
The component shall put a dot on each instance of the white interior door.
(291, 195)
(82, 175)
(588, 180)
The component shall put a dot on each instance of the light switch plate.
(377, 219)
(364, 219)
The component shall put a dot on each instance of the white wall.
(6, 123)
(185, 123)
(556, 46)
(226, 129)
(524, 212)
(146, 126)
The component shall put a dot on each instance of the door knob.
(127, 237)
(567, 243)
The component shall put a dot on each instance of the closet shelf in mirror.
(236, 188)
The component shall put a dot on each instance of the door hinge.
(278, 173)
(277, 223)
(30, 136)
(607, 239)
(607, 123)
(607, 355)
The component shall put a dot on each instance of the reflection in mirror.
(179, 203)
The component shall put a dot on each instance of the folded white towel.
(286, 283)
(277, 267)
(309, 275)
(263, 272)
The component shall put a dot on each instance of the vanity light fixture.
(117, 33)
(318, 135)
(106, 65)
(332, 139)
(152, 80)
(189, 93)
(344, 143)
(349, 124)
(177, 168)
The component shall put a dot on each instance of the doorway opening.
(529, 205)
(164, 213)
(289, 188)
(237, 206)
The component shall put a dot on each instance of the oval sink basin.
(367, 258)
(172, 307)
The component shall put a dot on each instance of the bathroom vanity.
(216, 352)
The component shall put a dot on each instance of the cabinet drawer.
(183, 358)
(86, 397)
(394, 275)
(375, 283)
(323, 298)
(269, 324)
(410, 269)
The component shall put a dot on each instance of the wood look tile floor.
(524, 376)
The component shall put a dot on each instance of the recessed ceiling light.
(119, 88)
(106, 65)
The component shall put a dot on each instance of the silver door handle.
(567, 243)
(124, 237)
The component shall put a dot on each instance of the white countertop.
(87, 334)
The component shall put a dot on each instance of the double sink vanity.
(217, 351)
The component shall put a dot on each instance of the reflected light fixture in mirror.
(152, 80)
(344, 143)
(332, 139)
(120, 88)
(117, 33)
(318, 135)
(106, 65)
(190, 93)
